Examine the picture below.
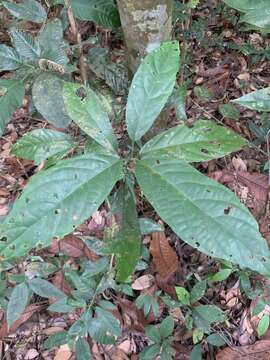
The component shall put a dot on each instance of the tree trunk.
(146, 24)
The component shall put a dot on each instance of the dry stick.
(77, 35)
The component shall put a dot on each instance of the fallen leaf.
(53, 330)
(31, 354)
(164, 256)
(63, 353)
(133, 317)
(4, 210)
(259, 351)
(167, 285)
(143, 282)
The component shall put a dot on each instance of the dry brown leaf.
(119, 354)
(63, 353)
(167, 284)
(132, 316)
(59, 281)
(31, 354)
(72, 246)
(143, 282)
(259, 351)
(164, 256)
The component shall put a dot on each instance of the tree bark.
(146, 24)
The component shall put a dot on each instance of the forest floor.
(222, 63)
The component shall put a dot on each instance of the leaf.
(164, 256)
(83, 350)
(10, 101)
(246, 5)
(63, 353)
(143, 282)
(47, 93)
(104, 328)
(45, 289)
(204, 141)
(203, 93)
(126, 243)
(56, 340)
(221, 226)
(198, 291)
(216, 340)
(258, 350)
(221, 275)
(151, 87)
(263, 325)
(196, 353)
(57, 200)
(17, 303)
(183, 295)
(256, 100)
(150, 352)
(25, 44)
(29, 10)
(152, 332)
(103, 12)
(259, 17)
(205, 315)
(179, 102)
(147, 226)
(89, 114)
(41, 144)
(229, 111)
(166, 327)
(93, 268)
(9, 58)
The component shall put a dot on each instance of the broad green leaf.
(41, 144)
(150, 352)
(152, 332)
(103, 12)
(45, 289)
(263, 325)
(83, 350)
(104, 327)
(166, 327)
(206, 315)
(126, 244)
(229, 111)
(256, 100)
(151, 87)
(9, 58)
(203, 93)
(221, 226)
(61, 306)
(182, 295)
(148, 226)
(17, 303)
(89, 114)
(246, 5)
(25, 44)
(179, 102)
(47, 93)
(196, 353)
(56, 340)
(57, 200)
(204, 141)
(52, 43)
(93, 268)
(259, 17)
(29, 10)
(197, 336)
(221, 275)
(216, 339)
(198, 291)
(11, 97)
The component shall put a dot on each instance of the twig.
(77, 35)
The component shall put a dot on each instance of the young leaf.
(151, 87)
(17, 303)
(29, 10)
(221, 226)
(11, 97)
(126, 245)
(9, 58)
(57, 200)
(166, 327)
(263, 325)
(83, 350)
(183, 295)
(221, 275)
(256, 100)
(104, 328)
(89, 114)
(204, 141)
(41, 144)
(103, 12)
(25, 44)
(197, 291)
(45, 289)
(47, 93)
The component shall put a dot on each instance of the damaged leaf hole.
(227, 210)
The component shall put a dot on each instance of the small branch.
(77, 35)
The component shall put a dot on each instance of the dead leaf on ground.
(63, 353)
(72, 246)
(143, 282)
(167, 284)
(164, 256)
(259, 351)
(132, 316)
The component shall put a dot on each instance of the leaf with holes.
(25, 44)
(29, 10)
(41, 144)
(151, 87)
(221, 226)
(103, 12)
(47, 93)
(257, 100)
(57, 200)
(9, 58)
(204, 141)
(11, 97)
(89, 114)
(17, 303)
